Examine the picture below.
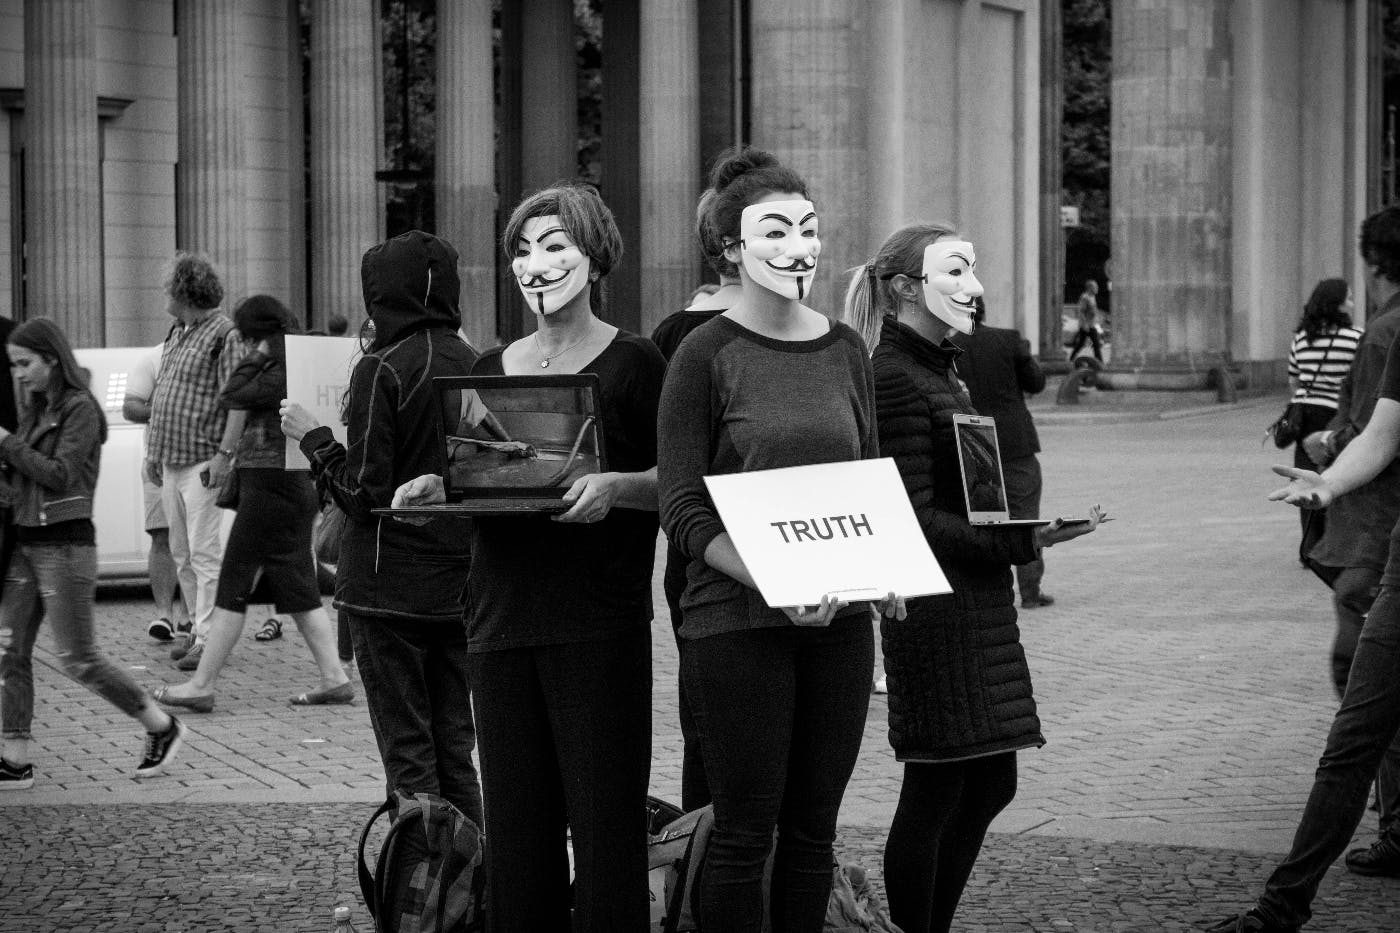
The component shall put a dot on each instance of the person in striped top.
(1319, 359)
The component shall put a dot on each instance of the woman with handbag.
(1319, 359)
(51, 462)
(268, 556)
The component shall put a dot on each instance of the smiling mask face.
(779, 246)
(950, 284)
(550, 269)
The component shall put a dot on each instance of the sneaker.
(161, 749)
(1249, 922)
(189, 660)
(160, 629)
(15, 777)
(1380, 859)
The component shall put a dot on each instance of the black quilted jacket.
(958, 680)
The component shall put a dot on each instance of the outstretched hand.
(1059, 530)
(1308, 490)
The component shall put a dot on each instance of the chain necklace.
(545, 360)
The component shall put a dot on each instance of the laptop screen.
(519, 435)
(984, 489)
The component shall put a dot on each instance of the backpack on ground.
(428, 877)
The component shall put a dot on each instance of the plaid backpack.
(428, 876)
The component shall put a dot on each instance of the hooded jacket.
(389, 568)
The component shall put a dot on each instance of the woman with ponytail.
(960, 702)
(50, 463)
(779, 696)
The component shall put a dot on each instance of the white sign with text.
(839, 529)
(318, 375)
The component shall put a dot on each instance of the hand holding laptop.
(1061, 530)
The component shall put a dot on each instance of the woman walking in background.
(51, 463)
(269, 546)
(1319, 359)
(960, 701)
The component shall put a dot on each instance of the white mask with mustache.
(950, 284)
(549, 267)
(778, 246)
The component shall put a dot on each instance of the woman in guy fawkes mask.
(960, 702)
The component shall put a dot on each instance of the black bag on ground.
(428, 877)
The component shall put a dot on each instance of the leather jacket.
(52, 461)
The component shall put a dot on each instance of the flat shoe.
(345, 693)
(199, 704)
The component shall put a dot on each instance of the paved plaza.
(1182, 679)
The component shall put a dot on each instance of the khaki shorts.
(155, 512)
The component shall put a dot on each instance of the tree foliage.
(1085, 149)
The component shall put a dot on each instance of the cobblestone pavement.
(1181, 676)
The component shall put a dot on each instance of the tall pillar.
(621, 154)
(212, 187)
(807, 87)
(345, 144)
(548, 93)
(1171, 187)
(1052, 235)
(465, 183)
(63, 236)
(670, 156)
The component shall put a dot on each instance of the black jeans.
(780, 713)
(565, 735)
(1312, 522)
(943, 814)
(695, 788)
(1090, 335)
(415, 679)
(1364, 728)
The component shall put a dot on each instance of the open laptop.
(984, 485)
(515, 444)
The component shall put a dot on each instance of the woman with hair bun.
(269, 546)
(50, 466)
(779, 695)
(960, 702)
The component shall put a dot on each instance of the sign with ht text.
(841, 529)
(318, 375)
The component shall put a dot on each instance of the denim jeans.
(414, 675)
(1363, 733)
(780, 713)
(56, 582)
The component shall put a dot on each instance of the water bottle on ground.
(342, 921)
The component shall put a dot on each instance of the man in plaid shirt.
(190, 439)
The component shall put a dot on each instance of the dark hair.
(979, 313)
(740, 177)
(192, 280)
(870, 296)
(258, 317)
(42, 336)
(1380, 242)
(584, 217)
(711, 243)
(337, 325)
(1324, 308)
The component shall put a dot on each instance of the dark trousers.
(1023, 485)
(943, 814)
(1090, 334)
(1363, 733)
(780, 713)
(565, 735)
(414, 675)
(695, 789)
(1313, 522)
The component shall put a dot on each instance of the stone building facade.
(1240, 141)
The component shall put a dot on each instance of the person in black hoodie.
(400, 584)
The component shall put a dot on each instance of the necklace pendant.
(544, 364)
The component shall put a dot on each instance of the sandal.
(271, 630)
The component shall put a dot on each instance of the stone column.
(346, 141)
(1171, 188)
(63, 236)
(465, 183)
(548, 93)
(807, 84)
(670, 163)
(212, 183)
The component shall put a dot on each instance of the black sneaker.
(161, 749)
(160, 629)
(1248, 922)
(1380, 859)
(15, 777)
